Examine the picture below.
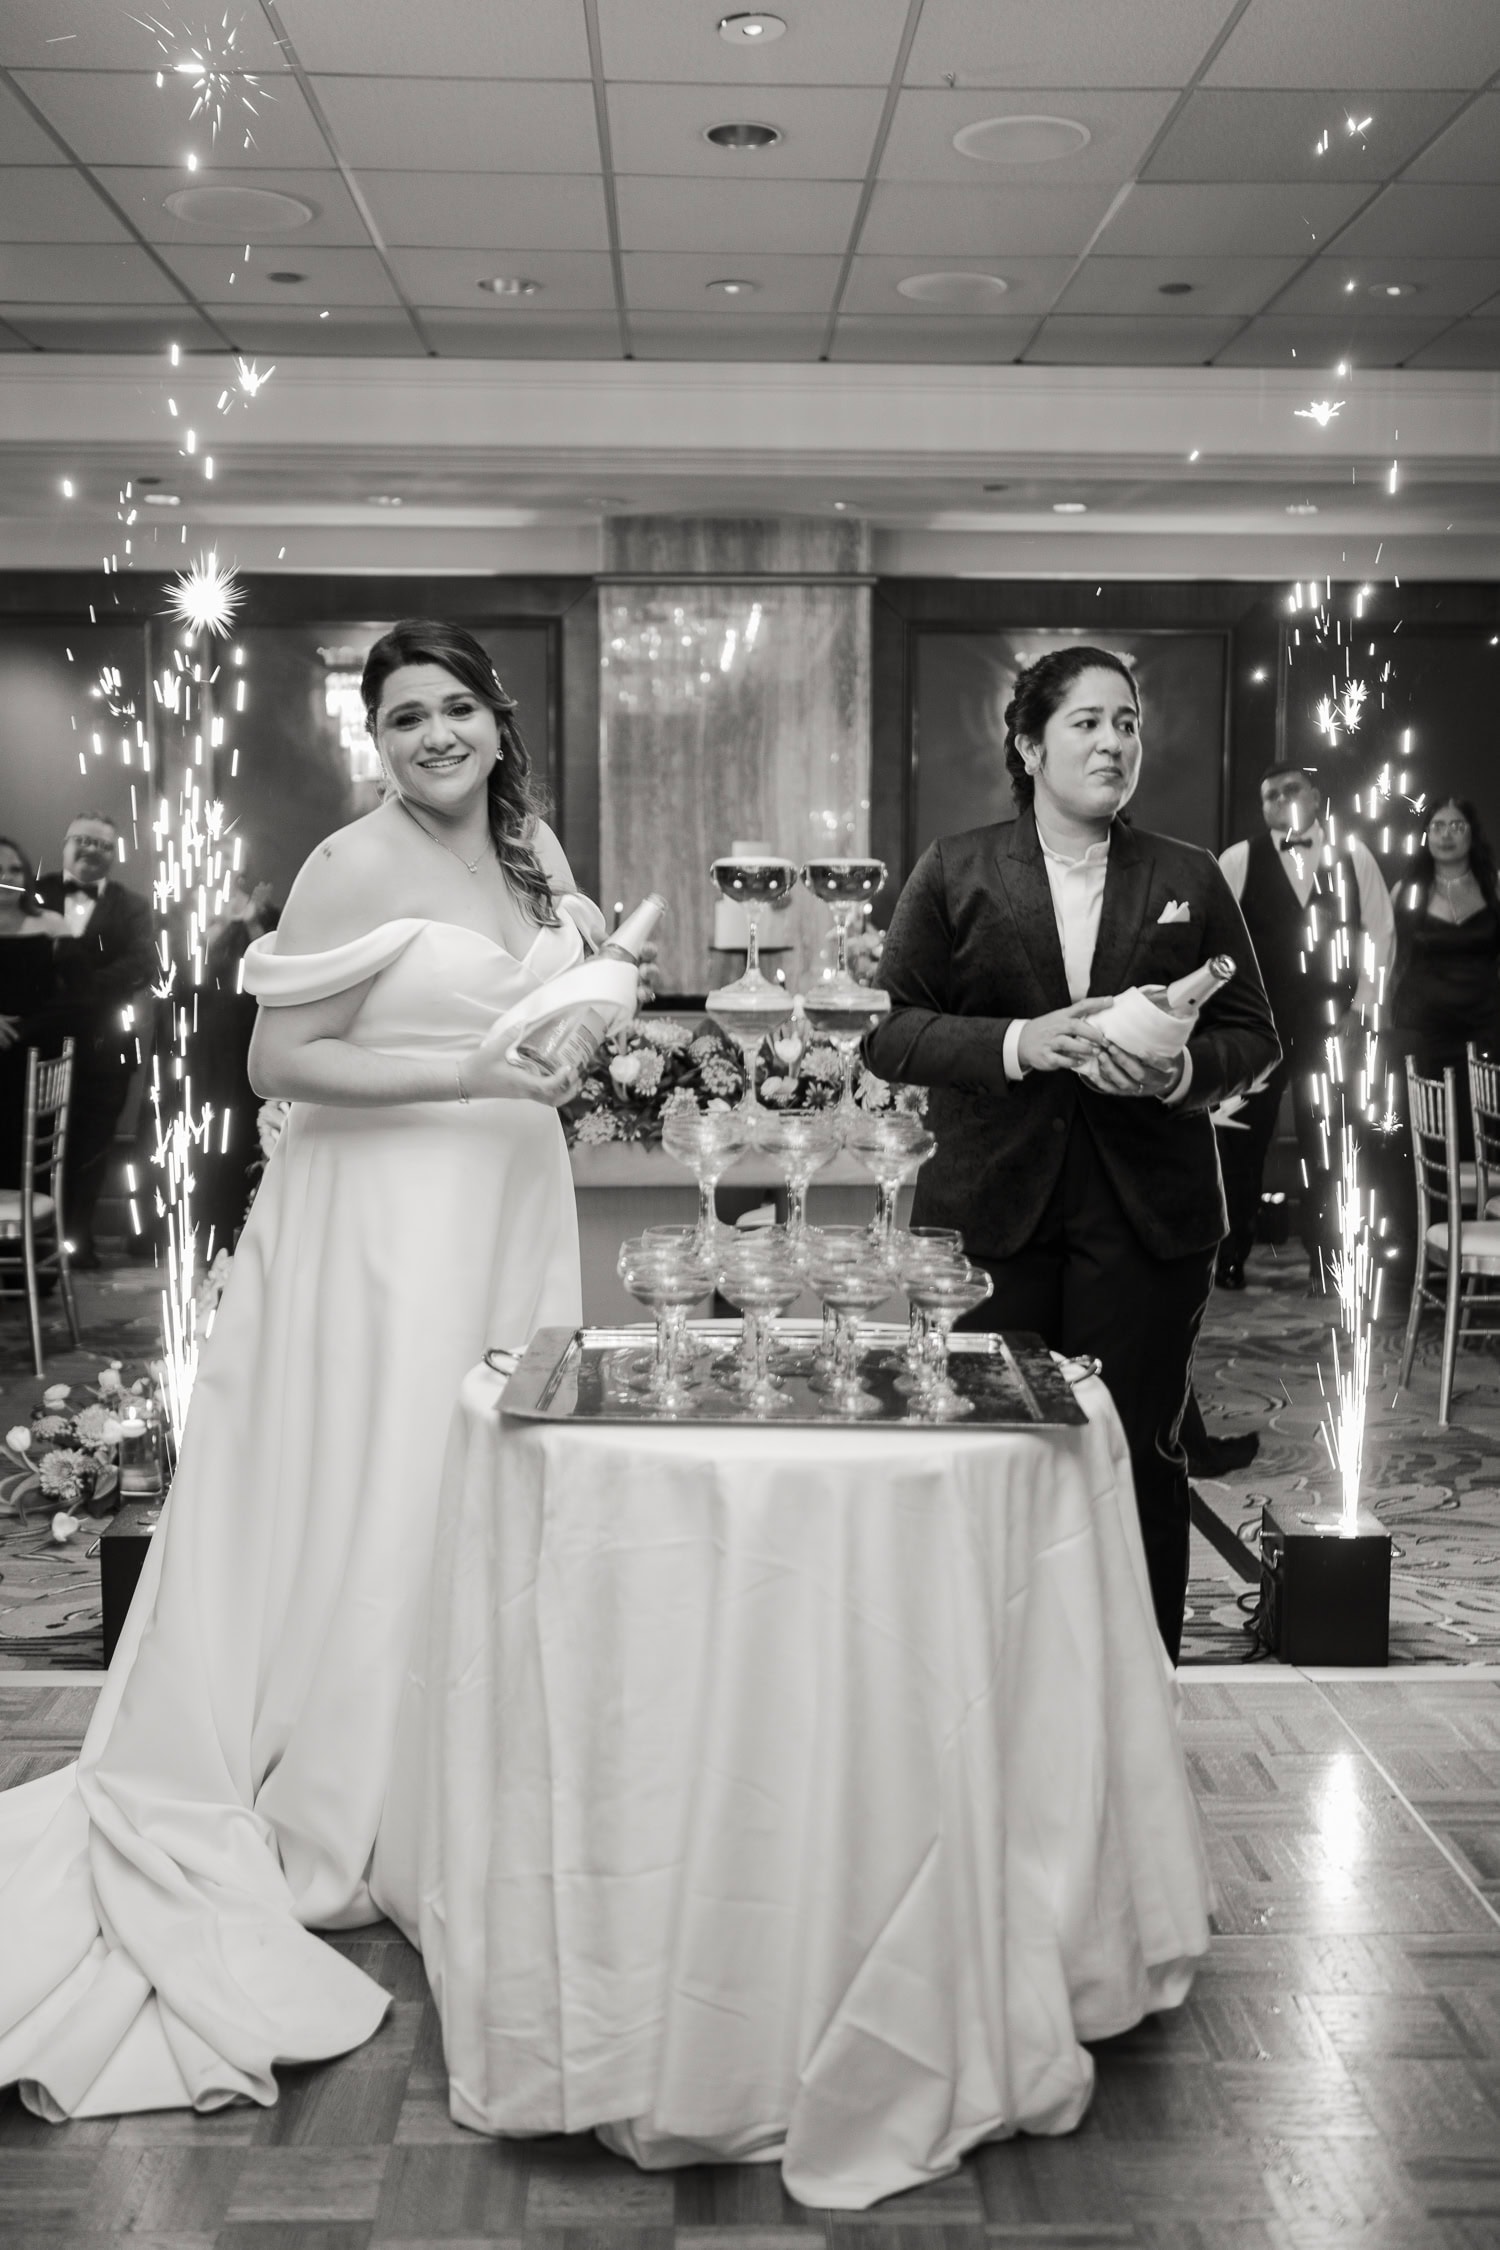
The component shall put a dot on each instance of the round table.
(792, 1794)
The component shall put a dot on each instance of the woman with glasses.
(1446, 986)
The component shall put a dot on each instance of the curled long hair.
(515, 803)
(1040, 688)
(1481, 858)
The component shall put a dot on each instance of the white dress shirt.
(78, 910)
(1077, 887)
(1377, 920)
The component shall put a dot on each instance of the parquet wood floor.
(1332, 2084)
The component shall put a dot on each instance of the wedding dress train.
(157, 1899)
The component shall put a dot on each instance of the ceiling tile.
(766, 215)
(1013, 43)
(954, 342)
(1031, 286)
(1469, 343)
(1469, 150)
(571, 280)
(982, 221)
(1463, 222)
(1274, 136)
(684, 336)
(470, 210)
(827, 43)
(83, 35)
(331, 277)
(1287, 340)
(297, 330)
(457, 38)
(110, 328)
(828, 133)
(551, 335)
(1442, 285)
(657, 282)
(446, 124)
(1219, 286)
(1393, 43)
(1228, 222)
(82, 274)
(21, 137)
(115, 117)
(1088, 340)
(143, 193)
(39, 203)
(1121, 129)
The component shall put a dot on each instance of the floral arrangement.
(66, 1454)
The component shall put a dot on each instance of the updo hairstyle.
(515, 803)
(1040, 688)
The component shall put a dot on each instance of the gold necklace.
(470, 866)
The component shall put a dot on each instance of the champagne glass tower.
(752, 1006)
(837, 1004)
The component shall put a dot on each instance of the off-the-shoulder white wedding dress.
(157, 1899)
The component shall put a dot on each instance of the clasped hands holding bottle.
(1067, 1040)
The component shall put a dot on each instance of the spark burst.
(210, 60)
(205, 597)
(1321, 411)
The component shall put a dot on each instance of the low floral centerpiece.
(66, 1456)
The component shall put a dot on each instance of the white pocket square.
(1175, 910)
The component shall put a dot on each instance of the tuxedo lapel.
(1127, 891)
(1023, 875)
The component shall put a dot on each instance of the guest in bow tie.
(105, 958)
(1320, 918)
(1086, 1183)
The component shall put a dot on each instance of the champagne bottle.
(1187, 995)
(570, 1039)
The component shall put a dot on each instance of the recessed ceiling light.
(1392, 289)
(841, 505)
(750, 30)
(1070, 508)
(734, 288)
(1174, 289)
(1021, 140)
(970, 290)
(1302, 507)
(161, 499)
(145, 483)
(743, 137)
(385, 499)
(996, 488)
(243, 212)
(509, 285)
(286, 278)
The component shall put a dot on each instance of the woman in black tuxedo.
(1093, 1200)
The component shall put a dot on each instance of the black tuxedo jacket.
(973, 944)
(99, 973)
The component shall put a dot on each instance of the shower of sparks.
(1357, 127)
(1351, 705)
(252, 379)
(1356, 1277)
(205, 597)
(211, 61)
(1321, 411)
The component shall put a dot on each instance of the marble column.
(735, 702)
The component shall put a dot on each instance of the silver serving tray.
(573, 1375)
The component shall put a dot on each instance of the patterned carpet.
(1436, 1491)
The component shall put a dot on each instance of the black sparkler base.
(1325, 1598)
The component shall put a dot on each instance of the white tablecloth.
(790, 1794)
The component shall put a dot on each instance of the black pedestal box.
(1325, 1598)
(122, 1553)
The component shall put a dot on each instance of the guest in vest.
(1319, 916)
(105, 957)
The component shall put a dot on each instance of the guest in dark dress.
(1446, 988)
(27, 989)
(220, 1051)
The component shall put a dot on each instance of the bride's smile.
(433, 734)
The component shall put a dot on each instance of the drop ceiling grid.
(1230, 201)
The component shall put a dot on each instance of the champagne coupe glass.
(760, 1278)
(893, 1144)
(914, 1251)
(843, 1014)
(846, 886)
(846, 1243)
(670, 1281)
(799, 1143)
(706, 1142)
(752, 1006)
(849, 1287)
(943, 1292)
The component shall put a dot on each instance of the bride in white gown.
(157, 1899)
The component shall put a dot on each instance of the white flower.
(598, 1125)
(625, 1070)
(110, 1434)
(64, 1526)
(19, 1439)
(91, 1424)
(110, 1382)
(270, 1123)
(56, 1394)
(786, 1049)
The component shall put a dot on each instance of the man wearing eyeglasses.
(1320, 919)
